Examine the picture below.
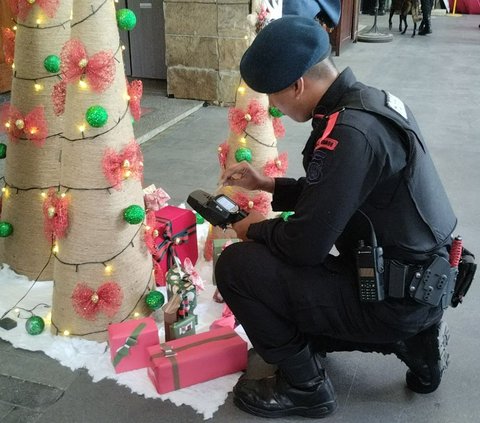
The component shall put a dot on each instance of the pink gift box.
(129, 341)
(186, 361)
(177, 236)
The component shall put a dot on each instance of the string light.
(108, 269)
(38, 21)
(241, 89)
(136, 314)
(82, 84)
(55, 248)
(66, 333)
(38, 87)
(123, 47)
(13, 65)
(14, 27)
(243, 140)
(43, 194)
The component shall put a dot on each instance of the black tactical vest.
(414, 219)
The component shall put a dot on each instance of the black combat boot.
(427, 27)
(300, 387)
(426, 356)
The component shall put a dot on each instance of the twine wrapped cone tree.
(255, 127)
(103, 270)
(33, 130)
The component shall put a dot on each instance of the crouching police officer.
(370, 190)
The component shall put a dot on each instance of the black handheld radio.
(219, 210)
(370, 268)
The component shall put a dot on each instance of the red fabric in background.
(471, 7)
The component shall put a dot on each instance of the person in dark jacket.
(369, 186)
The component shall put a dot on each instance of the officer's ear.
(299, 87)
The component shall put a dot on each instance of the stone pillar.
(205, 41)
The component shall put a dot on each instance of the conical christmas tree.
(255, 127)
(103, 270)
(33, 129)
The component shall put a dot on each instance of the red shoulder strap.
(324, 141)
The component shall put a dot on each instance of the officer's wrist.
(268, 184)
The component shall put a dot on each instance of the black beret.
(282, 52)
(327, 10)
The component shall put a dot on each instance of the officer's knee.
(228, 264)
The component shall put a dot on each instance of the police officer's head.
(287, 56)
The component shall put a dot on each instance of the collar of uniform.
(332, 96)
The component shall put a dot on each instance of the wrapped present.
(182, 327)
(129, 341)
(176, 237)
(197, 358)
(170, 315)
(218, 246)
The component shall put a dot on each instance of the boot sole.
(438, 364)
(313, 412)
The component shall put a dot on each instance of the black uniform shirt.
(368, 157)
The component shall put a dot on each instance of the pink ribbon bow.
(55, 212)
(278, 128)
(22, 8)
(194, 276)
(8, 38)
(277, 167)
(124, 165)
(135, 92)
(32, 126)
(259, 202)
(98, 71)
(239, 119)
(88, 302)
(156, 200)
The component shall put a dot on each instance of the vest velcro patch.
(326, 143)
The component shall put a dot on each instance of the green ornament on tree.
(242, 154)
(96, 116)
(6, 229)
(199, 218)
(52, 63)
(3, 150)
(154, 300)
(34, 325)
(126, 19)
(275, 112)
(134, 214)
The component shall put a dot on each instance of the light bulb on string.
(108, 269)
(241, 89)
(14, 27)
(66, 333)
(38, 21)
(55, 248)
(82, 84)
(243, 140)
(43, 194)
(13, 65)
(38, 87)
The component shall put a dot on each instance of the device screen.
(227, 204)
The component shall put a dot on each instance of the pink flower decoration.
(278, 128)
(223, 150)
(226, 321)
(150, 233)
(22, 8)
(98, 71)
(193, 275)
(160, 279)
(135, 92)
(59, 94)
(32, 126)
(156, 200)
(260, 202)
(55, 213)
(239, 119)
(277, 167)
(88, 302)
(8, 38)
(126, 164)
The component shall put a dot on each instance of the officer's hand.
(244, 175)
(241, 227)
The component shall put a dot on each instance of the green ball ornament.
(275, 112)
(96, 116)
(3, 150)
(52, 63)
(154, 300)
(134, 214)
(126, 19)
(242, 154)
(34, 325)
(6, 229)
(199, 218)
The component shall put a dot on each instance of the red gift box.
(177, 237)
(186, 361)
(129, 341)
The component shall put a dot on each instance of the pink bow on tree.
(124, 165)
(156, 199)
(151, 232)
(55, 212)
(135, 92)
(97, 71)
(277, 167)
(8, 38)
(193, 275)
(22, 8)
(239, 119)
(31, 126)
(88, 302)
(259, 202)
(223, 150)
(278, 128)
